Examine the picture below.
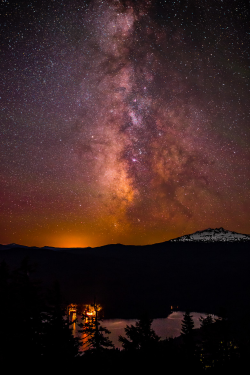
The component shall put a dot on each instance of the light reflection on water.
(163, 327)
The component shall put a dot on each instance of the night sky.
(123, 121)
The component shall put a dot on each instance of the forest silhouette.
(35, 330)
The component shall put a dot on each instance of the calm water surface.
(163, 327)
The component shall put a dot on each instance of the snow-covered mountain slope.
(213, 235)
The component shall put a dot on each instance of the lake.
(163, 327)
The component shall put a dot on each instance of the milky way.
(123, 121)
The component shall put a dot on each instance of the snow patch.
(213, 235)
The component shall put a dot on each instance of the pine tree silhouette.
(58, 341)
(94, 333)
(187, 325)
(187, 333)
(140, 336)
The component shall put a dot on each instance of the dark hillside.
(131, 279)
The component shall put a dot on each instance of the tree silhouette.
(140, 336)
(208, 343)
(206, 322)
(94, 333)
(58, 341)
(27, 304)
(225, 346)
(5, 302)
(187, 326)
(190, 351)
(187, 333)
(21, 313)
(219, 348)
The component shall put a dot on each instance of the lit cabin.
(72, 309)
(174, 308)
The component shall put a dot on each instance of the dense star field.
(123, 121)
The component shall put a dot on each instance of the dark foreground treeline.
(32, 320)
(35, 333)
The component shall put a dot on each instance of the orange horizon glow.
(91, 240)
(137, 133)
